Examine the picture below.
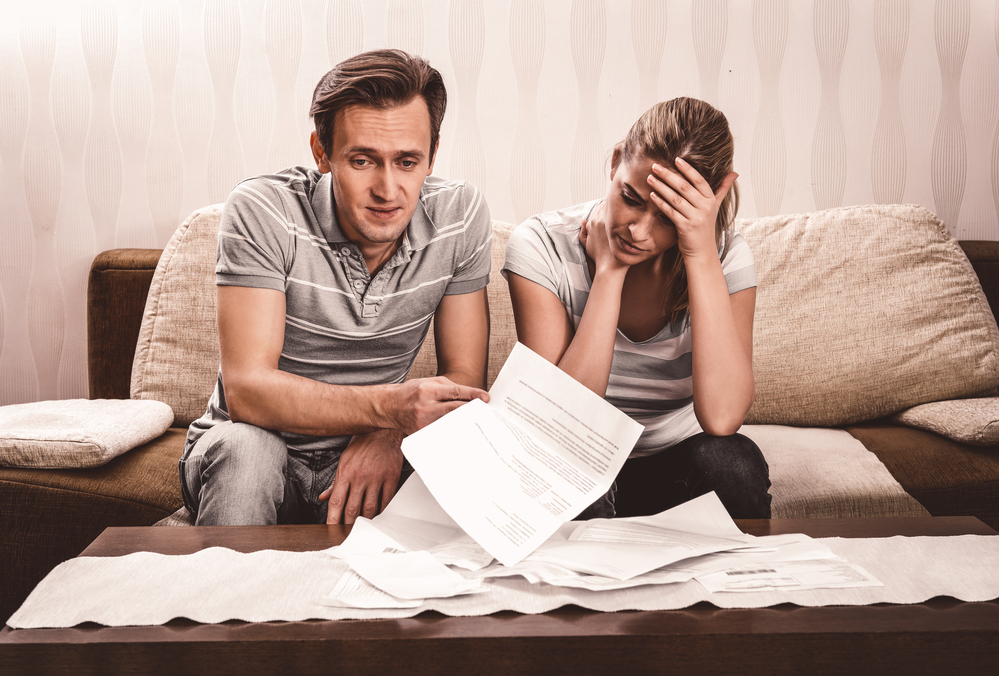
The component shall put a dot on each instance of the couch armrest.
(984, 257)
(116, 298)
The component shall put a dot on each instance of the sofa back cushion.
(177, 353)
(862, 312)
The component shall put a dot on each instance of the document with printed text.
(512, 471)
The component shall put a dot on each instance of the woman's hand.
(688, 201)
(595, 237)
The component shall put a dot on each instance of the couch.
(865, 317)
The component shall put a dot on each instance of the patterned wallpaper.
(120, 117)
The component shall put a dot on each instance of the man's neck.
(377, 255)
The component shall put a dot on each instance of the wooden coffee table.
(940, 636)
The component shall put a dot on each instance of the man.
(327, 283)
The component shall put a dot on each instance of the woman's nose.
(641, 228)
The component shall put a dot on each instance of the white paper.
(409, 575)
(624, 561)
(770, 549)
(365, 538)
(353, 591)
(704, 514)
(667, 575)
(621, 549)
(789, 576)
(462, 553)
(512, 471)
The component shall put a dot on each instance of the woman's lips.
(628, 246)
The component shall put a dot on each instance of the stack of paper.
(399, 561)
(497, 484)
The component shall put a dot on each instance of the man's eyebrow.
(365, 150)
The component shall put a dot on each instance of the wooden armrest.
(116, 298)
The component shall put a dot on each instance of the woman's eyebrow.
(634, 193)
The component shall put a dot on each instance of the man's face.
(379, 160)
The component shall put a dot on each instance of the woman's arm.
(721, 333)
(544, 325)
(721, 324)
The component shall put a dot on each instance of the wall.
(117, 119)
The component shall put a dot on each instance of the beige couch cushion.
(77, 432)
(862, 312)
(826, 473)
(177, 354)
(971, 421)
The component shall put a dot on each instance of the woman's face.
(639, 230)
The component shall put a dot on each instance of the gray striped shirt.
(342, 325)
(652, 380)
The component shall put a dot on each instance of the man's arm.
(369, 469)
(251, 335)
(461, 334)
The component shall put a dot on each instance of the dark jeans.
(733, 467)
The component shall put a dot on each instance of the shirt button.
(358, 284)
(345, 251)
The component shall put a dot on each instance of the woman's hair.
(383, 78)
(697, 132)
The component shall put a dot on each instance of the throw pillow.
(177, 353)
(75, 433)
(971, 421)
(862, 312)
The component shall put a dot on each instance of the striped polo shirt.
(342, 325)
(651, 380)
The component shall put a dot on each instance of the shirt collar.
(421, 228)
(322, 207)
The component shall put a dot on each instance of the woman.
(647, 298)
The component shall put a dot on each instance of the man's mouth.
(384, 213)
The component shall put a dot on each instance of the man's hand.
(366, 478)
(423, 400)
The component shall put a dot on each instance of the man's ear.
(433, 157)
(318, 154)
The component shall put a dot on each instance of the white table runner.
(216, 585)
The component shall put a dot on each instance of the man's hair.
(699, 134)
(383, 78)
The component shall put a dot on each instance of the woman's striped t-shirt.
(650, 380)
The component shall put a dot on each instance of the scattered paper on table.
(409, 575)
(353, 591)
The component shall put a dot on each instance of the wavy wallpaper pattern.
(120, 117)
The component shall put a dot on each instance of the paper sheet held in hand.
(512, 471)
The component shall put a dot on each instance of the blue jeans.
(241, 475)
(733, 467)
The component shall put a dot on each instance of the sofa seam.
(80, 492)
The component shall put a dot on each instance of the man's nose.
(385, 187)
